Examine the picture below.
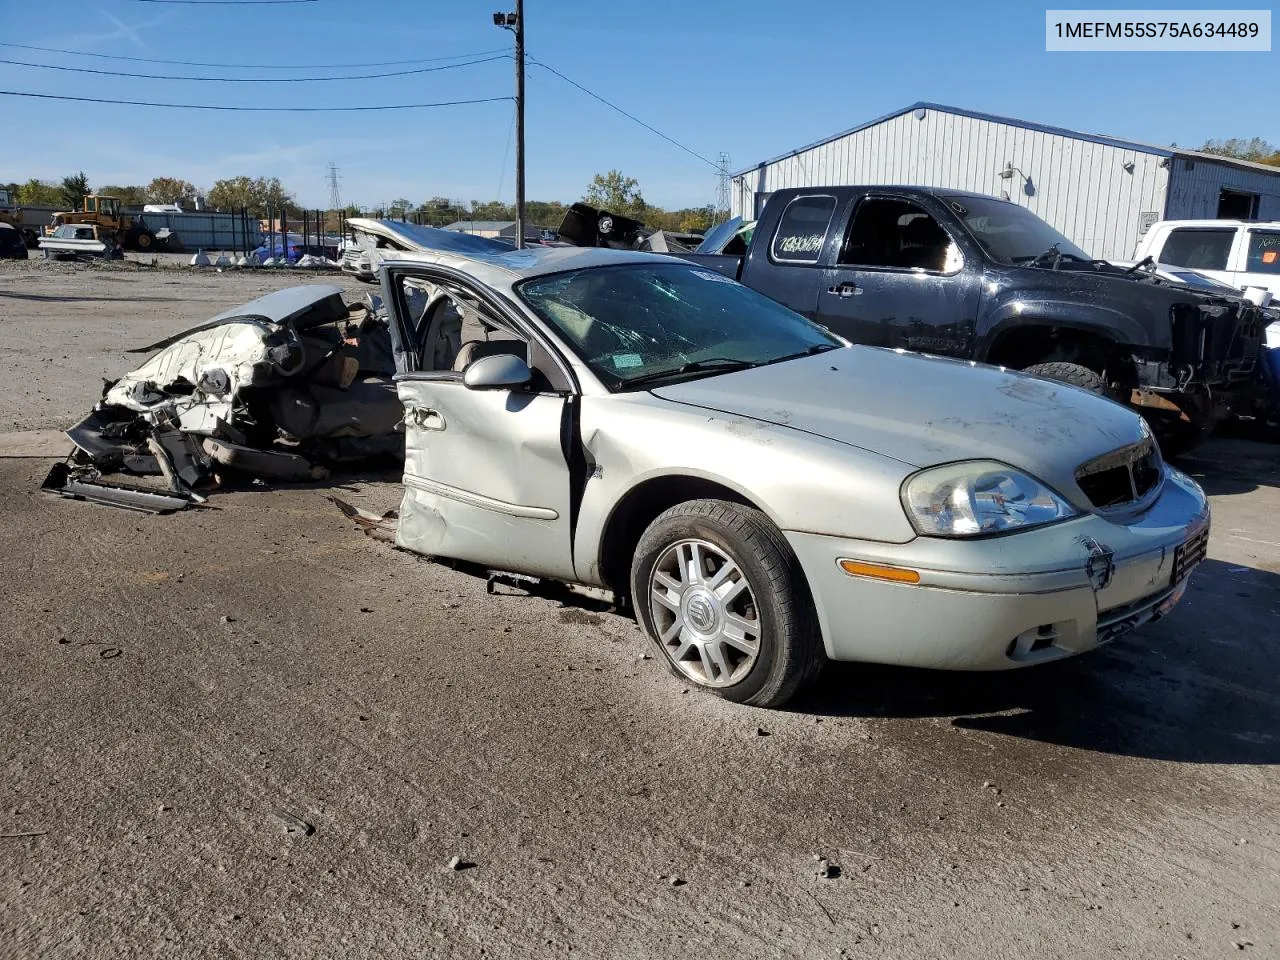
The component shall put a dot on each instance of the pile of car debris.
(277, 389)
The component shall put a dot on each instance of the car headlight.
(979, 497)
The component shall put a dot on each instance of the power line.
(252, 66)
(156, 76)
(210, 106)
(614, 106)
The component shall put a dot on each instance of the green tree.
(72, 190)
(1255, 149)
(259, 195)
(171, 190)
(616, 193)
(488, 210)
(543, 214)
(39, 193)
(400, 208)
(129, 196)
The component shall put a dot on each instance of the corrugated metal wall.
(1195, 185)
(1081, 187)
(209, 231)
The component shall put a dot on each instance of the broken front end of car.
(279, 389)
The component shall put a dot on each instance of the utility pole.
(515, 23)
(519, 124)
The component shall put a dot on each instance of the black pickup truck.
(972, 276)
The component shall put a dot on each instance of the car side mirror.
(503, 371)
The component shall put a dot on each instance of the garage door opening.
(1237, 205)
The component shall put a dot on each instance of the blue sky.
(747, 77)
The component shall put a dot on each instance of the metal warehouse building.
(1102, 192)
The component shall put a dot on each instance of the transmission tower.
(722, 186)
(335, 196)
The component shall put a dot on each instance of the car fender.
(800, 481)
(1100, 319)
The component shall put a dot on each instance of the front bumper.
(1008, 601)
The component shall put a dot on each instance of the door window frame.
(564, 382)
(923, 208)
(1232, 246)
(773, 241)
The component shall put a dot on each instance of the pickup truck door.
(485, 474)
(898, 278)
(1259, 260)
(787, 266)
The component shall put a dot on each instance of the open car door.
(486, 475)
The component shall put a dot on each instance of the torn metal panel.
(66, 482)
(300, 307)
(222, 359)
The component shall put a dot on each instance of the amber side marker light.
(856, 568)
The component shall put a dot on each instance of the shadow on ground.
(1201, 686)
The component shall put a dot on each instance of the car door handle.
(844, 290)
(426, 418)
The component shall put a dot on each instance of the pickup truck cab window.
(1264, 252)
(1197, 249)
(898, 234)
(802, 231)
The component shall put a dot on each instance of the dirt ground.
(180, 692)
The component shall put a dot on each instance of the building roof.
(1136, 146)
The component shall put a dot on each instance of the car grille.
(1123, 477)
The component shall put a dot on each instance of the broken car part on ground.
(277, 389)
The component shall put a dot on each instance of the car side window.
(1264, 252)
(1197, 249)
(802, 230)
(899, 235)
(449, 328)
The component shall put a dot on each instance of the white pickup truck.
(1242, 253)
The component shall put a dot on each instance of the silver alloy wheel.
(704, 613)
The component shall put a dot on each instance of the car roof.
(1268, 224)
(891, 187)
(511, 266)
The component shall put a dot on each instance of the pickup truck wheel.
(723, 598)
(1072, 373)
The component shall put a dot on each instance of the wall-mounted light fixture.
(1009, 170)
(1129, 166)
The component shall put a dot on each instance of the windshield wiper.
(1052, 254)
(708, 365)
(809, 351)
(1148, 267)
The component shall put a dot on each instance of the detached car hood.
(925, 411)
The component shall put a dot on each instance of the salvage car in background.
(971, 276)
(13, 245)
(1241, 253)
(369, 241)
(767, 495)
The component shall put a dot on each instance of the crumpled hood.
(925, 410)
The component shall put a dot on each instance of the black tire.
(1072, 373)
(789, 649)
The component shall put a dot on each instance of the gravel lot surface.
(251, 731)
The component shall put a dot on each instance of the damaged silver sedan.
(764, 494)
